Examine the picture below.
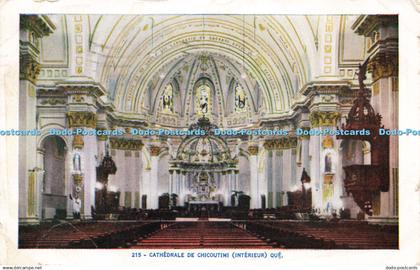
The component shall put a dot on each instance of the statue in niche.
(76, 162)
(328, 163)
(239, 99)
(167, 100)
(204, 104)
(203, 101)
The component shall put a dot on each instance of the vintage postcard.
(163, 133)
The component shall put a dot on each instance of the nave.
(188, 235)
(209, 234)
(265, 133)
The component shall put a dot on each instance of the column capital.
(29, 66)
(305, 137)
(253, 150)
(324, 118)
(81, 119)
(281, 143)
(154, 150)
(383, 65)
(126, 144)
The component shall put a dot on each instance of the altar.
(204, 172)
(208, 205)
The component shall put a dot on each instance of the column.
(269, 177)
(385, 102)
(82, 119)
(145, 189)
(83, 153)
(32, 29)
(322, 182)
(153, 196)
(287, 174)
(171, 181)
(303, 157)
(381, 33)
(253, 164)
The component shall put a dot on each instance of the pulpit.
(105, 201)
(365, 182)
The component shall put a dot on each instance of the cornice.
(366, 24)
(75, 87)
(326, 87)
(41, 25)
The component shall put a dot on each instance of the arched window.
(203, 98)
(167, 101)
(240, 99)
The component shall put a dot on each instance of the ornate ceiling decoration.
(132, 51)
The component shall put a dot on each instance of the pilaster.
(32, 29)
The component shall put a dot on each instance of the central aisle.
(206, 234)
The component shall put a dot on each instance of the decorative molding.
(367, 24)
(78, 98)
(80, 88)
(78, 142)
(29, 67)
(319, 119)
(52, 101)
(327, 88)
(328, 142)
(383, 65)
(154, 150)
(81, 119)
(126, 144)
(39, 24)
(102, 137)
(281, 143)
(305, 137)
(253, 150)
(78, 179)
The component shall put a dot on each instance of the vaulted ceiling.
(273, 54)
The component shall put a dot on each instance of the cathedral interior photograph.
(208, 131)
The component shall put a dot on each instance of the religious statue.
(239, 98)
(328, 163)
(204, 104)
(77, 204)
(204, 99)
(361, 75)
(167, 99)
(76, 162)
